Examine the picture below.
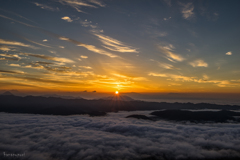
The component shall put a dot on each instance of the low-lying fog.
(114, 137)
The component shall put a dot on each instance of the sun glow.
(116, 92)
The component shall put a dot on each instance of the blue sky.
(130, 46)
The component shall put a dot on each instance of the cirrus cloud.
(198, 63)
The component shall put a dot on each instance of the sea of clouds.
(113, 137)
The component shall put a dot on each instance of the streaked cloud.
(187, 10)
(87, 23)
(85, 67)
(37, 43)
(173, 76)
(166, 19)
(198, 63)
(115, 45)
(5, 48)
(157, 74)
(82, 56)
(168, 51)
(88, 47)
(66, 18)
(164, 65)
(10, 57)
(98, 50)
(59, 59)
(229, 53)
(15, 43)
(61, 46)
(78, 4)
(44, 6)
(130, 78)
(14, 65)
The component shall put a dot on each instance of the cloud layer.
(114, 137)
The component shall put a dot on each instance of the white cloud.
(60, 59)
(116, 137)
(5, 48)
(88, 24)
(78, 4)
(198, 63)
(61, 46)
(157, 75)
(229, 53)
(11, 56)
(167, 50)
(43, 6)
(14, 65)
(83, 56)
(64, 38)
(115, 45)
(15, 43)
(45, 40)
(66, 18)
(165, 19)
(89, 47)
(85, 67)
(97, 50)
(187, 10)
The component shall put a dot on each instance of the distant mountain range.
(118, 98)
(59, 106)
(7, 93)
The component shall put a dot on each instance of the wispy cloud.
(98, 50)
(15, 43)
(115, 45)
(45, 40)
(66, 18)
(84, 56)
(157, 74)
(173, 76)
(89, 47)
(204, 79)
(168, 51)
(229, 53)
(6, 48)
(164, 65)
(59, 59)
(187, 10)
(37, 43)
(85, 67)
(132, 78)
(87, 23)
(78, 4)
(14, 65)
(198, 63)
(44, 6)
(13, 57)
(166, 19)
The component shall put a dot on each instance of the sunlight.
(116, 92)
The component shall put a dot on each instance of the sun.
(116, 92)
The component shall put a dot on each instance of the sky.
(120, 45)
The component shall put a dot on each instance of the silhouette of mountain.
(118, 98)
(60, 106)
(60, 96)
(203, 116)
(7, 93)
